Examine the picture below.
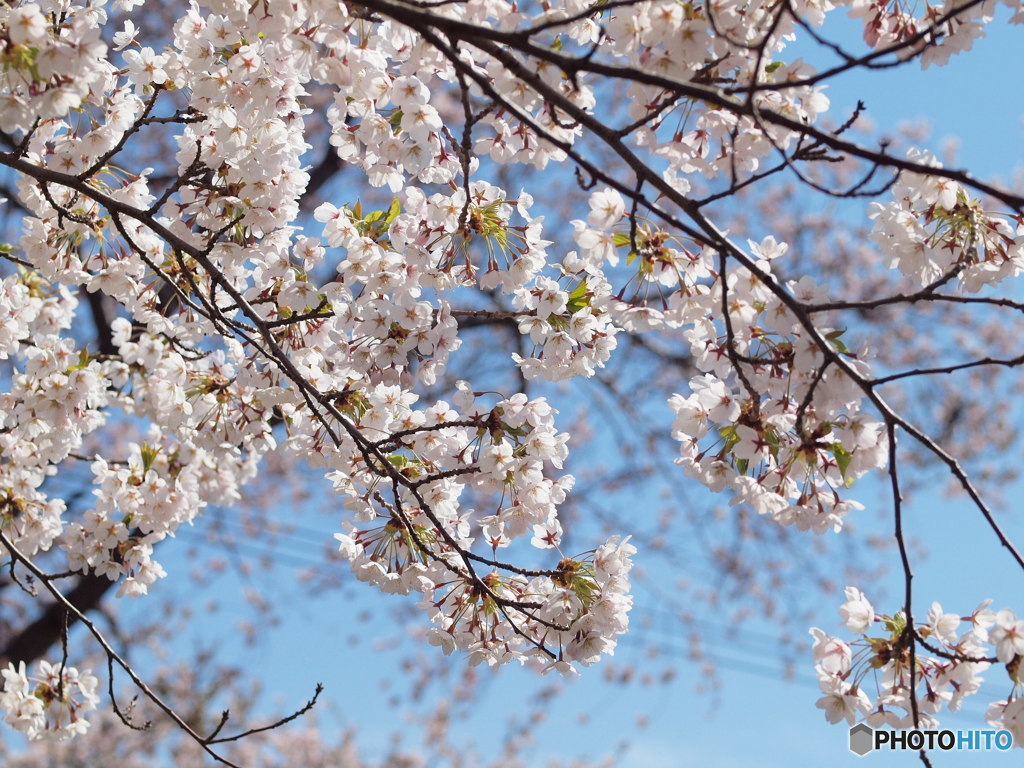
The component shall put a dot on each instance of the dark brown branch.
(37, 638)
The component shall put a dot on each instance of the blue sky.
(976, 97)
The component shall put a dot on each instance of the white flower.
(1007, 636)
(832, 655)
(145, 66)
(944, 625)
(856, 612)
(606, 209)
(26, 24)
(841, 701)
(34, 707)
(1008, 715)
(126, 36)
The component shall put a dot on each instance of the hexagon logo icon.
(862, 739)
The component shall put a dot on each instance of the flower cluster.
(50, 66)
(938, 663)
(50, 704)
(937, 34)
(579, 610)
(933, 232)
(776, 417)
(54, 401)
(411, 543)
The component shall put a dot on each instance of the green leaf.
(729, 433)
(774, 66)
(22, 57)
(586, 590)
(842, 456)
(149, 454)
(579, 298)
(83, 360)
(393, 211)
(895, 624)
(557, 322)
(620, 238)
(843, 459)
(837, 342)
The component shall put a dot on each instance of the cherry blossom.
(50, 704)
(242, 322)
